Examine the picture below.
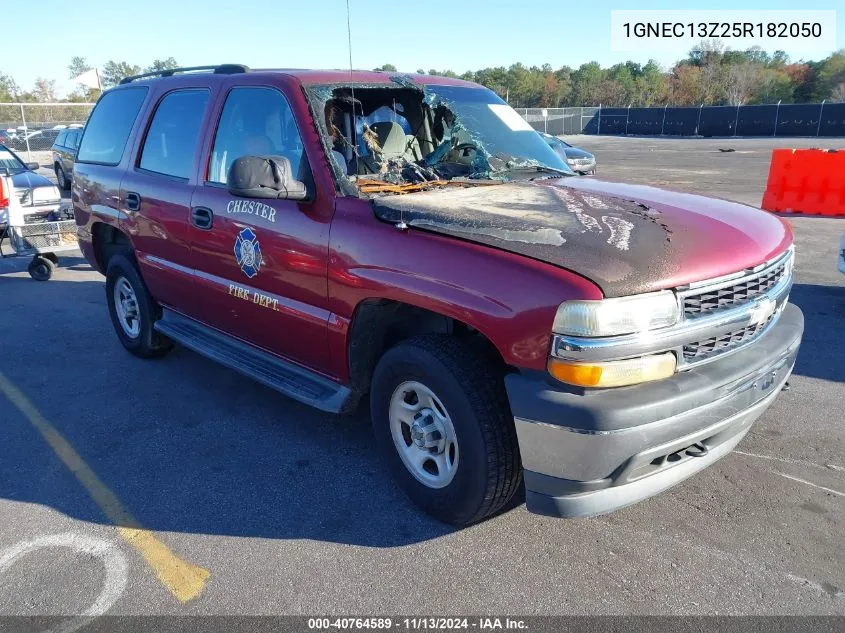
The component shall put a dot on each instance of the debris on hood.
(613, 239)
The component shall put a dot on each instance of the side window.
(174, 132)
(60, 139)
(256, 122)
(110, 124)
(72, 139)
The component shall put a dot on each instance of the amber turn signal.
(616, 373)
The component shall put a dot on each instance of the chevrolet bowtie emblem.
(762, 311)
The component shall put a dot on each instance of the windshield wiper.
(543, 169)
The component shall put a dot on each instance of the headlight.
(623, 315)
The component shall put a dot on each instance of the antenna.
(351, 82)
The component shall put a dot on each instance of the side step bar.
(287, 378)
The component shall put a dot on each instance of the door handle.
(202, 218)
(133, 201)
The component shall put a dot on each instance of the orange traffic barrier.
(808, 181)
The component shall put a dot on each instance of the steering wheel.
(458, 152)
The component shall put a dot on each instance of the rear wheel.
(62, 178)
(443, 424)
(133, 311)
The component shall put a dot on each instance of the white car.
(842, 255)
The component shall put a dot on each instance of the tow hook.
(697, 450)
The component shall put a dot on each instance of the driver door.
(262, 263)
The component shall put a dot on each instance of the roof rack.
(221, 69)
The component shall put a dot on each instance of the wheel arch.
(107, 240)
(378, 324)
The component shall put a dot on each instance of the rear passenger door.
(262, 263)
(156, 195)
(71, 142)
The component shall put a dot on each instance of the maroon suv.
(410, 239)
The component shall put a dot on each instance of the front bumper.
(599, 450)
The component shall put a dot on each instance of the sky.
(442, 34)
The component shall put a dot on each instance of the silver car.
(578, 160)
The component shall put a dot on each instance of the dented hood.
(625, 238)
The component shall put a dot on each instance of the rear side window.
(109, 127)
(173, 134)
(60, 139)
(72, 139)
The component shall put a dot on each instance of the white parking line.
(810, 483)
(112, 558)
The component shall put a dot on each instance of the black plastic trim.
(288, 378)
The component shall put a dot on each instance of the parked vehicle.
(579, 160)
(842, 254)
(504, 318)
(64, 153)
(35, 193)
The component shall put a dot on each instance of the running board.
(287, 378)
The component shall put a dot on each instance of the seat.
(257, 145)
(391, 139)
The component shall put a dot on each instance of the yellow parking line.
(184, 580)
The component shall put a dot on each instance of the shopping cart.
(42, 233)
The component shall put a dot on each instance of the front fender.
(509, 298)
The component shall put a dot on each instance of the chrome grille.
(744, 289)
(713, 346)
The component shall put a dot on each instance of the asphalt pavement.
(289, 511)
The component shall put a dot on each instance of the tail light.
(4, 192)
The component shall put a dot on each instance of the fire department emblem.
(248, 252)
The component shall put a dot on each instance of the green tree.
(44, 90)
(586, 84)
(77, 66)
(9, 90)
(114, 71)
(390, 68)
(159, 65)
(830, 79)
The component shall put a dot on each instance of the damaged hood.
(627, 239)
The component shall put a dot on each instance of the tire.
(52, 257)
(62, 178)
(138, 336)
(41, 268)
(487, 470)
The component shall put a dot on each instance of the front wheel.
(443, 424)
(133, 311)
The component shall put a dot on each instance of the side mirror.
(33, 166)
(264, 177)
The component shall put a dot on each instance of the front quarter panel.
(510, 299)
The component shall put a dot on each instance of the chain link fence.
(792, 119)
(32, 128)
(560, 121)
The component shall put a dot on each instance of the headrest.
(391, 137)
(263, 177)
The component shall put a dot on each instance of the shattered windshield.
(494, 129)
(406, 137)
